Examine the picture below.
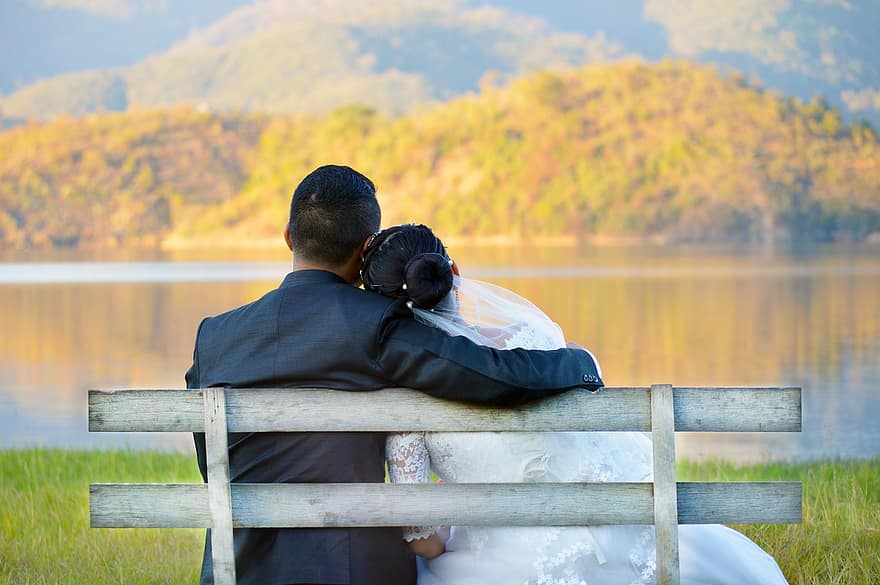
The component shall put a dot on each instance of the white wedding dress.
(599, 555)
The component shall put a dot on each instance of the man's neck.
(344, 272)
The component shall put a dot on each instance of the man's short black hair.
(333, 210)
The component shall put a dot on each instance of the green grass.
(44, 520)
(45, 535)
(838, 541)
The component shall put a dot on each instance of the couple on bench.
(418, 323)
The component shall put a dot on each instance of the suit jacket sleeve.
(193, 382)
(418, 356)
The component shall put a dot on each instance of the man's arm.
(415, 355)
(193, 382)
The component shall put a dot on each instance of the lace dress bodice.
(519, 457)
(529, 457)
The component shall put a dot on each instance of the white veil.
(493, 316)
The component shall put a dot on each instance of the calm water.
(687, 316)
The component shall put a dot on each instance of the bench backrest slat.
(395, 409)
(348, 505)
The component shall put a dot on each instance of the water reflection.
(688, 317)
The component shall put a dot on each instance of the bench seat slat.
(545, 504)
(397, 409)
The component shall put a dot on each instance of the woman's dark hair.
(408, 262)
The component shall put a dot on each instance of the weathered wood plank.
(397, 409)
(770, 502)
(310, 409)
(219, 496)
(408, 410)
(149, 505)
(160, 410)
(737, 409)
(665, 492)
(315, 505)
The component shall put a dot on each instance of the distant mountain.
(308, 55)
(313, 55)
(672, 152)
(805, 48)
(43, 38)
(801, 47)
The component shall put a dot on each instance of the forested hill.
(118, 179)
(672, 151)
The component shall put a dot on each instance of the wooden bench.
(660, 409)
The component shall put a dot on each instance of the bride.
(409, 262)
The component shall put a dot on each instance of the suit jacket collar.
(311, 276)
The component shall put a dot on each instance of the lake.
(689, 316)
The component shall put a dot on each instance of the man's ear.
(287, 237)
(365, 245)
(455, 269)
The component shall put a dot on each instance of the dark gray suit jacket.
(317, 330)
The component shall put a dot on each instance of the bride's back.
(493, 457)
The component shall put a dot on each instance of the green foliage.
(672, 151)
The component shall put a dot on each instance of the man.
(319, 330)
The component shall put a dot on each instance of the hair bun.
(428, 279)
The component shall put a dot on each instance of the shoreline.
(231, 243)
(504, 241)
(493, 241)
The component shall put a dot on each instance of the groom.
(317, 329)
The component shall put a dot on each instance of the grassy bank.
(44, 520)
(45, 535)
(839, 539)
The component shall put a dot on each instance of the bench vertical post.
(219, 496)
(665, 494)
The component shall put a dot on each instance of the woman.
(410, 263)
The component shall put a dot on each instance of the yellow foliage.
(672, 151)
